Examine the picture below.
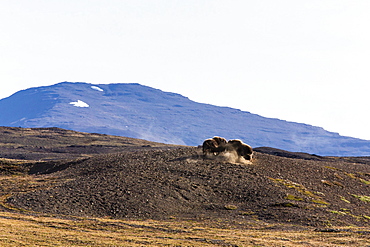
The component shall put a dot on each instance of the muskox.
(234, 151)
(240, 148)
(214, 146)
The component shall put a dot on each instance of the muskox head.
(214, 145)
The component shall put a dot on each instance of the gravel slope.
(167, 183)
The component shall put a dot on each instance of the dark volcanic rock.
(151, 184)
(180, 183)
(283, 153)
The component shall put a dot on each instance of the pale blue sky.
(302, 61)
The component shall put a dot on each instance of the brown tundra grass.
(20, 229)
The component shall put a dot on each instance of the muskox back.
(220, 140)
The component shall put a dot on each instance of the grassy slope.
(19, 229)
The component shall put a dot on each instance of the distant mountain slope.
(137, 111)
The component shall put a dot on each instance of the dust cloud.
(230, 156)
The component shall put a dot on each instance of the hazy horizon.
(304, 62)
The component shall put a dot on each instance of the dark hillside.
(59, 144)
(81, 174)
(162, 184)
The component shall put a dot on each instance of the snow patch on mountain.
(97, 88)
(79, 103)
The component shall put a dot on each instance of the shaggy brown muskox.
(215, 145)
(241, 149)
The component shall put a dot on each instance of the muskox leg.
(251, 156)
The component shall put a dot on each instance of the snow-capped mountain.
(138, 111)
